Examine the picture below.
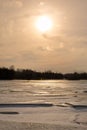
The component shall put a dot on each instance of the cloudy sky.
(62, 49)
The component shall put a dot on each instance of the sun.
(44, 23)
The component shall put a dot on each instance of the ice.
(44, 101)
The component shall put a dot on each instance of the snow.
(48, 105)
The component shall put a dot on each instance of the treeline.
(27, 74)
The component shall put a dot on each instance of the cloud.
(59, 38)
(45, 48)
(19, 3)
(11, 4)
(7, 58)
(1, 44)
(64, 41)
(29, 55)
(82, 40)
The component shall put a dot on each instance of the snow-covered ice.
(47, 104)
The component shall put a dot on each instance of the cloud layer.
(63, 49)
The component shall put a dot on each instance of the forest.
(28, 74)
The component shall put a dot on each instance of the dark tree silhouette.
(28, 74)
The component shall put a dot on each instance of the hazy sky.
(62, 49)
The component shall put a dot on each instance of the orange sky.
(63, 48)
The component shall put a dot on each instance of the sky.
(61, 49)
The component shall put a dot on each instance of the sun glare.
(44, 23)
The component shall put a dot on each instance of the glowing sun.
(44, 23)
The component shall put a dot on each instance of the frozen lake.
(42, 91)
(44, 101)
